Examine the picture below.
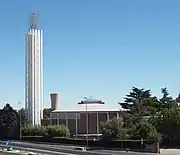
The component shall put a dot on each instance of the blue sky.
(97, 48)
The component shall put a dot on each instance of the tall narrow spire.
(33, 21)
(34, 72)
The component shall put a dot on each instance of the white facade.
(34, 76)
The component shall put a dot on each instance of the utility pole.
(20, 132)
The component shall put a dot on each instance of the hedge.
(46, 131)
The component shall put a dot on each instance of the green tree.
(133, 99)
(9, 126)
(146, 131)
(10, 116)
(46, 113)
(178, 99)
(138, 103)
(164, 112)
(167, 122)
(149, 106)
(166, 100)
(113, 129)
(23, 114)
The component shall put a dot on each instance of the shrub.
(113, 129)
(50, 131)
(30, 130)
(57, 131)
(146, 131)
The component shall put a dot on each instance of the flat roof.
(91, 108)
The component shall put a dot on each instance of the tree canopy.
(163, 114)
(46, 113)
(113, 129)
(23, 114)
(132, 101)
(147, 116)
(9, 123)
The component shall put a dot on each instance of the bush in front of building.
(113, 129)
(36, 130)
(57, 131)
(46, 131)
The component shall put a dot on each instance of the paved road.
(66, 150)
(70, 150)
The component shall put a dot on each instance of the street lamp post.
(20, 133)
(87, 124)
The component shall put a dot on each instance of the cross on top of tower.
(33, 20)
